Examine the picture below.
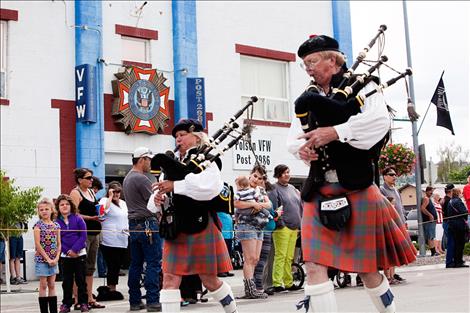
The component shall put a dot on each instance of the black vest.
(355, 167)
(192, 215)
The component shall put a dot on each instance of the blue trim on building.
(184, 51)
(342, 27)
(88, 50)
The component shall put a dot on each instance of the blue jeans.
(101, 264)
(150, 253)
(450, 244)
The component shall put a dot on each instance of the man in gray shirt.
(388, 189)
(145, 242)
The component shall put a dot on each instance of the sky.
(439, 40)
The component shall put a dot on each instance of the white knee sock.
(170, 300)
(322, 297)
(225, 296)
(382, 297)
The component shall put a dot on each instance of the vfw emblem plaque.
(140, 100)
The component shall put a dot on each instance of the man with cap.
(199, 248)
(145, 242)
(388, 189)
(362, 236)
(450, 244)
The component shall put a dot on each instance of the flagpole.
(422, 121)
(422, 248)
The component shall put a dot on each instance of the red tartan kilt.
(201, 253)
(375, 238)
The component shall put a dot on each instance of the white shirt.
(361, 131)
(203, 186)
(114, 224)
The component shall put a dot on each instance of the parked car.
(412, 224)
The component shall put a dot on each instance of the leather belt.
(142, 220)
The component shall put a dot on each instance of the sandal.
(96, 305)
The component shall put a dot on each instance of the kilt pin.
(201, 253)
(374, 238)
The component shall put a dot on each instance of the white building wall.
(276, 25)
(156, 15)
(40, 62)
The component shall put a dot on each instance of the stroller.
(237, 254)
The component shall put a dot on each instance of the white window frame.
(4, 56)
(142, 40)
(262, 98)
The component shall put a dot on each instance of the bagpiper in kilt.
(199, 250)
(347, 224)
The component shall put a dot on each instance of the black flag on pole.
(439, 99)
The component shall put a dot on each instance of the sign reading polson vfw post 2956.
(244, 159)
(85, 93)
(196, 99)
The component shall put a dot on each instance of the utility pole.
(422, 248)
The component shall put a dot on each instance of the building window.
(135, 49)
(267, 79)
(3, 59)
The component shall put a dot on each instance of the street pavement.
(429, 288)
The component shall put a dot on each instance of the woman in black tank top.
(85, 200)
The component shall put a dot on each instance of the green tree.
(459, 176)
(453, 158)
(16, 205)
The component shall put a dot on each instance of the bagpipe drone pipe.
(175, 219)
(201, 158)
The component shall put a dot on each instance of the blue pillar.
(88, 50)
(184, 51)
(342, 27)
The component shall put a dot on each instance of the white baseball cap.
(142, 152)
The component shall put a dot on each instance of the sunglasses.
(88, 178)
(391, 174)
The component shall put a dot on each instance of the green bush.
(466, 249)
(16, 205)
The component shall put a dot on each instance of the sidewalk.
(429, 288)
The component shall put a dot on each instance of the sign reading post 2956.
(244, 158)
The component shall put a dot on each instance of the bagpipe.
(315, 110)
(200, 159)
(194, 219)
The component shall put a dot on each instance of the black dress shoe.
(462, 265)
(222, 275)
(269, 291)
(279, 289)
(399, 278)
(450, 265)
(293, 288)
(230, 274)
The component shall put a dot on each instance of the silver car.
(412, 224)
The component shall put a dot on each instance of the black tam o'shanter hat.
(316, 44)
(188, 125)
